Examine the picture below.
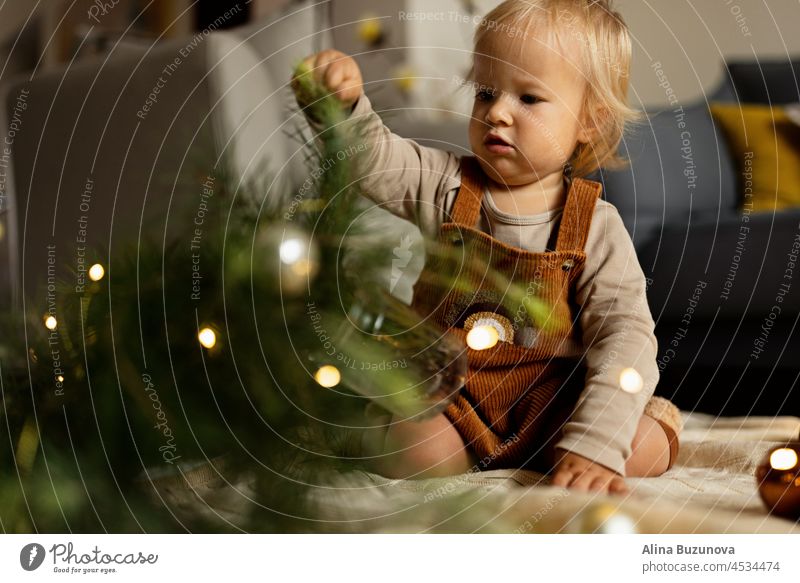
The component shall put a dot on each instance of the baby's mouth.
(497, 144)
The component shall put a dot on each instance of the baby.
(550, 82)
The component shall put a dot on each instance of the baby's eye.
(484, 95)
(529, 99)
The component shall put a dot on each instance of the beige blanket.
(711, 489)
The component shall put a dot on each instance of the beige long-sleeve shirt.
(419, 184)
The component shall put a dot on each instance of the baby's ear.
(593, 122)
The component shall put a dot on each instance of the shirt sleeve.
(618, 332)
(414, 182)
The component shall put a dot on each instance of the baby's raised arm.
(414, 182)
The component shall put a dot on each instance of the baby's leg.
(418, 449)
(650, 456)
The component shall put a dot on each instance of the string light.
(50, 323)
(482, 337)
(96, 272)
(328, 376)
(291, 250)
(405, 78)
(207, 337)
(630, 380)
(606, 519)
(297, 257)
(783, 459)
(291, 253)
(370, 30)
(503, 326)
(60, 378)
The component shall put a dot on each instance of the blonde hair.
(605, 61)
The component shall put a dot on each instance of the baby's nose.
(500, 111)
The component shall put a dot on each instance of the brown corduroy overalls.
(517, 396)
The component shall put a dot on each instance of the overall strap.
(577, 216)
(467, 207)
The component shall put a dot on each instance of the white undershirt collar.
(510, 219)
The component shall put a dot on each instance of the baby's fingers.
(611, 483)
(344, 80)
(332, 67)
(583, 481)
(349, 94)
(316, 65)
(562, 478)
(334, 75)
(618, 486)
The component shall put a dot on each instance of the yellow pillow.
(765, 143)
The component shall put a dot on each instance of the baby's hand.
(338, 72)
(579, 473)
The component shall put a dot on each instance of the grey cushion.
(766, 81)
(677, 173)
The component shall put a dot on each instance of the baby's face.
(531, 101)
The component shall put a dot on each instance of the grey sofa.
(715, 274)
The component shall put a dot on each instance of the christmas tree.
(251, 354)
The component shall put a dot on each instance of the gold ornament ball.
(778, 479)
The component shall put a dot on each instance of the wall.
(691, 38)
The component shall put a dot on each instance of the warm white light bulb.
(328, 376)
(783, 459)
(96, 272)
(618, 524)
(630, 380)
(606, 518)
(207, 337)
(482, 337)
(50, 323)
(291, 251)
